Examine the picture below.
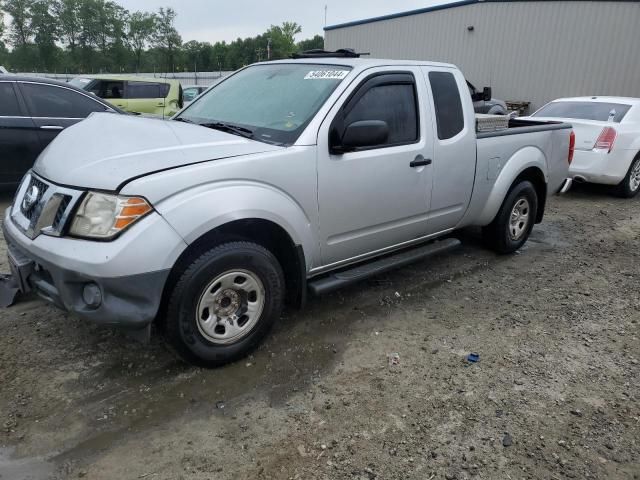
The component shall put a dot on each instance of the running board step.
(360, 272)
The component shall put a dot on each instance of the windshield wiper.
(182, 119)
(229, 128)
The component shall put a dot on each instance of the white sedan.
(607, 136)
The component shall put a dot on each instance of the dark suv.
(33, 111)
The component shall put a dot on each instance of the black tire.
(498, 234)
(624, 188)
(181, 325)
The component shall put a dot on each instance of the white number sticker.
(326, 75)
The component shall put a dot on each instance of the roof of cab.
(362, 63)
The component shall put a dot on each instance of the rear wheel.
(630, 185)
(224, 303)
(513, 224)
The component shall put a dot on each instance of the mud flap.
(9, 290)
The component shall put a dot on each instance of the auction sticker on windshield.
(326, 74)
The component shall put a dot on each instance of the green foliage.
(138, 33)
(282, 38)
(1, 26)
(314, 43)
(166, 38)
(20, 11)
(93, 36)
(43, 24)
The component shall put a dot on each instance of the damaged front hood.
(106, 150)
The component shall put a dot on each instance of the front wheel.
(513, 224)
(630, 185)
(224, 303)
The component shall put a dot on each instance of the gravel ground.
(554, 395)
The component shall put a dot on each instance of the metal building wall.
(526, 50)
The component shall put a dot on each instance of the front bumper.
(130, 301)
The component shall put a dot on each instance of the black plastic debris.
(8, 290)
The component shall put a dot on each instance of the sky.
(217, 20)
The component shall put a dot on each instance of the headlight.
(103, 216)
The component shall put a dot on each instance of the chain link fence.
(185, 78)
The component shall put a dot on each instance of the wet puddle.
(23, 468)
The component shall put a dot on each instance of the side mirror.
(365, 133)
(487, 94)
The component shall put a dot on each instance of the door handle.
(420, 161)
(51, 127)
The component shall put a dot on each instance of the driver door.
(377, 197)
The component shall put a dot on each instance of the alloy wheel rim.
(634, 178)
(519, 220)
(230, 306)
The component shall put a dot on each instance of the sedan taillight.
(606, 139)
(572, 146)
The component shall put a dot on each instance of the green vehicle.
(159, 97)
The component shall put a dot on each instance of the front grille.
(43, 207)
(60, 213)
(33, 194)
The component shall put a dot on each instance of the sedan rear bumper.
(598, 166)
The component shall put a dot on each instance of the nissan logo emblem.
(30, 198)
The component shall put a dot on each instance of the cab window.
(447, 103)
(391, 98)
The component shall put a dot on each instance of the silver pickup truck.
(288, 177)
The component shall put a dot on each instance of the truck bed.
(518, 126)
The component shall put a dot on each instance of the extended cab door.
(377, 197)
(454, 133)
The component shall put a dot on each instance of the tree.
(88, 36)
(20, 12)
(283, 43)
(67, 13)
(43, 24)
(290, 30)
(165, 37)
(112, 19)
(314, 43)
(139, 31)
(1, 26)
(3, 49)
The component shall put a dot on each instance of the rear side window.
(9, 106)
(448, 106)
(58, 102)
(147, 90)
(394, 104)
(603, 112)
